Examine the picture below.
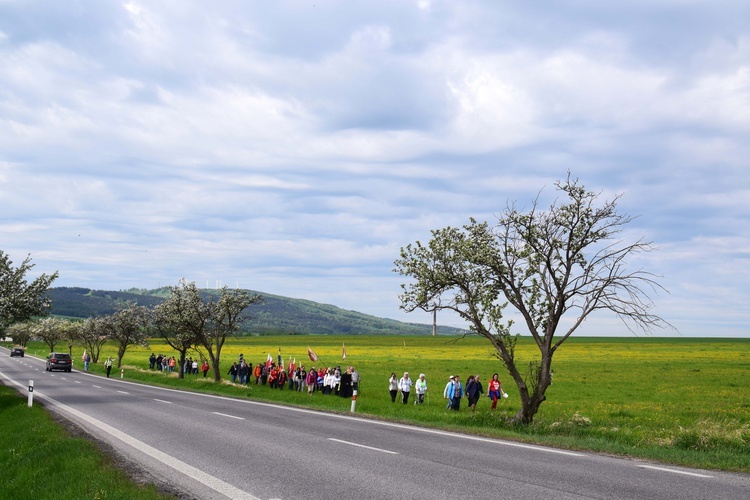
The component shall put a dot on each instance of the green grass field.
(684, 401)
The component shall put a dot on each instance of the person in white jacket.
(404, 385)
(393, 387)
(447, 388)
(421, 387)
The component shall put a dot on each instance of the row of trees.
(187, 320)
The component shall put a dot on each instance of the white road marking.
(364, 446)
(123, 392)
(162, 401)
(97, 386)
(208, 480)
(674, 471)
(77, 381)
(225, 415)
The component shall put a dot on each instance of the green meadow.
(683, 401)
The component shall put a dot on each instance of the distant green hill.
(275, 315)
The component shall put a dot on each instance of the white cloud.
(295, 148)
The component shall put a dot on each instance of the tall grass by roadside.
(684, 401)
(40, 460)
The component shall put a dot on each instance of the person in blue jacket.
(455, 393)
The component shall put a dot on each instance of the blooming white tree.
(206, 319)
(127, 326)
(53, 330)
(21, 332)
(19, 299)
(543, 264)
(93, 333)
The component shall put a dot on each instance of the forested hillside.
(275, 315)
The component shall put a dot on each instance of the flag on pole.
(269, 360)
(292, 364)
(311, 354)
(343, 351)
(278, 358)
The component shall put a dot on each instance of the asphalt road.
(216, 447)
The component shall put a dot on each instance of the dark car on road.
(16, 351)
(59, 361)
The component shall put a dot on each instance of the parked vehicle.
(59, 361)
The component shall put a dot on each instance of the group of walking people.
(168, 364)
(454, 390)
(162, 363)
(404, 386)
(334, 380)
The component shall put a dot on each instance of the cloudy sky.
(292, 147)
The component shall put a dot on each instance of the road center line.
(123, 392)
(162, 401)
(225, 415)
(674, 471)
(363, 446)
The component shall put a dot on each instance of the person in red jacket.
(494, 390)
(311, 380)
(204, 368)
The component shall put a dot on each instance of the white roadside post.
(354, 400)
(31, 392)
(122, 373)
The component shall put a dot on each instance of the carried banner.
(311, 354)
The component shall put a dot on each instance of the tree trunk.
(181, 371)
(120, 355)
(215, 367)
(530, 403)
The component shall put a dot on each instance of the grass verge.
(40, 459)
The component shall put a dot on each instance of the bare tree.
(543, 264)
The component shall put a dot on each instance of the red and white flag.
(269, 360)
(311, 354)
(343, 351)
